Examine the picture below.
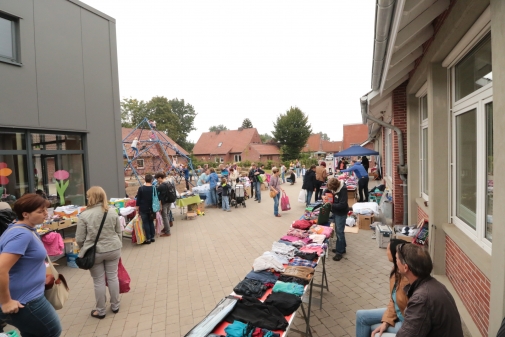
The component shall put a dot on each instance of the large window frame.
(14, 58)
(423, 146)
(477, 100)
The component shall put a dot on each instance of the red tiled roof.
(332, 146)
(143, 136)
(232, 141)
(266, 149)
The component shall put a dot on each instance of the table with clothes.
(265, 302)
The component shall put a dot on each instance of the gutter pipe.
(383, 18)
(402, 168)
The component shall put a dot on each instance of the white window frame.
(15, 59)
(388, 144)
(221, 159)
(423, 126)
(138, 163)
(237, 158)
(476, 100)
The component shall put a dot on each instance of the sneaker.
(165, 234)
(259, 201)
(337, 257)
(147, 242)
(152, 240)
(335, 251)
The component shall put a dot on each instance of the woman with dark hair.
(309, 183)
(386, 321)
(108, 247)
(145, 208)
(339, 208)
(23, 272)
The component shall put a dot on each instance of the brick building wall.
(400, 121)
(421, 215)
(472, 286)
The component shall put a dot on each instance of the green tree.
(219, 127)
(324, 136)
(159, 109)
(247, 124)
(265, 137)
(186, 114)
(133, 112)
(291, 131)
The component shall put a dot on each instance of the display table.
(184, 202)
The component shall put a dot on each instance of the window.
(237, 158)
(472, 151)
(389, 152)
(221, 160)
(423, 107)
(8, 39)
(140, 163)
(219, 145)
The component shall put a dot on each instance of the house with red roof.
(234, 146)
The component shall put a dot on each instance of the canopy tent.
(356, 150)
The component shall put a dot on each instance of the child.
(226, 195)
(304, 170)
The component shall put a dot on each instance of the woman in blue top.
(23, 272)
(213, 181)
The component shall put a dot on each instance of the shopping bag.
(156, 201)
(285, 206)
(159, 223)
(302, 197)
(123, 277)
(139, 232)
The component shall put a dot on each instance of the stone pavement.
(177, 280)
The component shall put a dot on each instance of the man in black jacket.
(339, 208)
(431, 310)
(166, 212)
(309, 183)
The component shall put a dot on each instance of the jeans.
(298, 172)
(309, 197)
(253, 187)
(37, 318)
(148, 226)
(276, 204)
(166, 215)
(187, 183)
(289, 180)
(258, 190)
(369, 320)
(136, 151)
(106, 265)
(283, 177)
(319, 192)
(363, 187)
(213, 196)
(226, 203)
(340, 227)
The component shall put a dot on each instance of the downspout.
(383, 19)
(402, 168)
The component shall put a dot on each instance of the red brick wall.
(421, 215)
(470, 283)
(354, 134)
(400, 121)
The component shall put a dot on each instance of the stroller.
(238, 196)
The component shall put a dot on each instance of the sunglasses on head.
(400, 250)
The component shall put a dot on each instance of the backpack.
(7, 216)
(170, 194)
(324, 214)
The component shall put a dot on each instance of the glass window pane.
(56, 142)
(425, 160)
(424, 107)
(6, 40)
(466, 167)
(12, 141)
(70, 169)
(13, 177)
(475, 70)
(489, 171)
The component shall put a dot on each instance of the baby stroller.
(238, 196)
(219, 197)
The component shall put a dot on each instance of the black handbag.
(88, 260)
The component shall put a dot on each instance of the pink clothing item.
(314, 249)
(325, 230)
(301, 224)
(298, 233)
(291, 238)
(53, 243)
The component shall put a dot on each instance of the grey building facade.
(60, 118)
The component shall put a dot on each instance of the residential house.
(153, 156)
(234, 146)
(317, 146)
(59, 112)
(435, 112)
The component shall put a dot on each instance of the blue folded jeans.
(37, 318)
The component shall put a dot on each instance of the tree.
(133, 112)
(159, 109)
(219, 127)
(324, 136)
(186, 114)
(247, 124)
(292, 131)
(265, 137)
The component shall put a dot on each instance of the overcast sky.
(247, 59)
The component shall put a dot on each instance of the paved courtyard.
(177, 280)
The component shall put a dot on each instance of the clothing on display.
(293, 279)
(313, 248)
(53, 243)
(253, 311)
(250, 287)
(279, 257)
(223, 308)
(286, 303)
(298, 261)
(295, 238)
(325, 230)
(317, 238)
(267, 262)
(264, 276)
(280, 248)
(290, 288)
(298, 233)
(301, 224)
(305, 273)
(307, 256)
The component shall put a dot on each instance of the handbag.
(285, 205)
(123, 277)
(88, 260)
(302, 197)
(156, 202)
(273, 193)
(57, 292)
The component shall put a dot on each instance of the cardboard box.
(192, 208)
(351, 194)
(404, 237)
(64, 223)
(364, 221)
(191, 215)
(201, 206)
(69, 245)
(351, 202)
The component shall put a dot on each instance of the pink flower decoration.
(4, 172)
(3, 165)
(61, 175)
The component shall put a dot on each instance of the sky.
(236, 59)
